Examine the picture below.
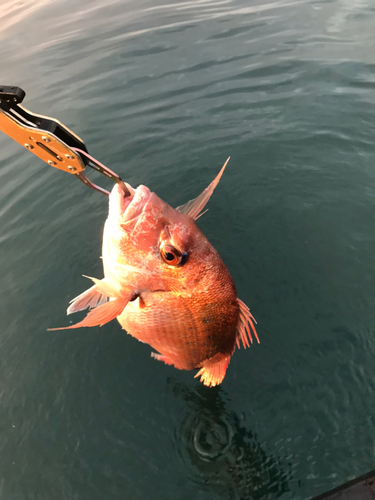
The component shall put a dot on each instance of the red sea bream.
(166, 284)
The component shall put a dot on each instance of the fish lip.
(118, 202)
(124, 211)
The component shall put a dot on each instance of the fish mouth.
(127, 208)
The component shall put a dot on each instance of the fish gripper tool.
(49, 139)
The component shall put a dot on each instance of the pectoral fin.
(105, 302)
(95, 296)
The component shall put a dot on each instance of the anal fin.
(160, 357)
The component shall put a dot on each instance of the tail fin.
(213, 373)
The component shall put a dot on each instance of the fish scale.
(173, 323)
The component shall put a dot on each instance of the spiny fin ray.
(245, 326)
(194, 207)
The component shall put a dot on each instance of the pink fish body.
(167, 285)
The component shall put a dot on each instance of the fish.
(167, 285)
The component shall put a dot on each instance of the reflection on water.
(13, 11)
(221, 454)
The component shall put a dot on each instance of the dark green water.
(163, 94)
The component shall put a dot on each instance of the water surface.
(163, 93)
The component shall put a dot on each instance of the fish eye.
(172, 256)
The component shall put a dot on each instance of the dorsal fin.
(243, 329)
(194, 207)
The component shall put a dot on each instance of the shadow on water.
(221, 455)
